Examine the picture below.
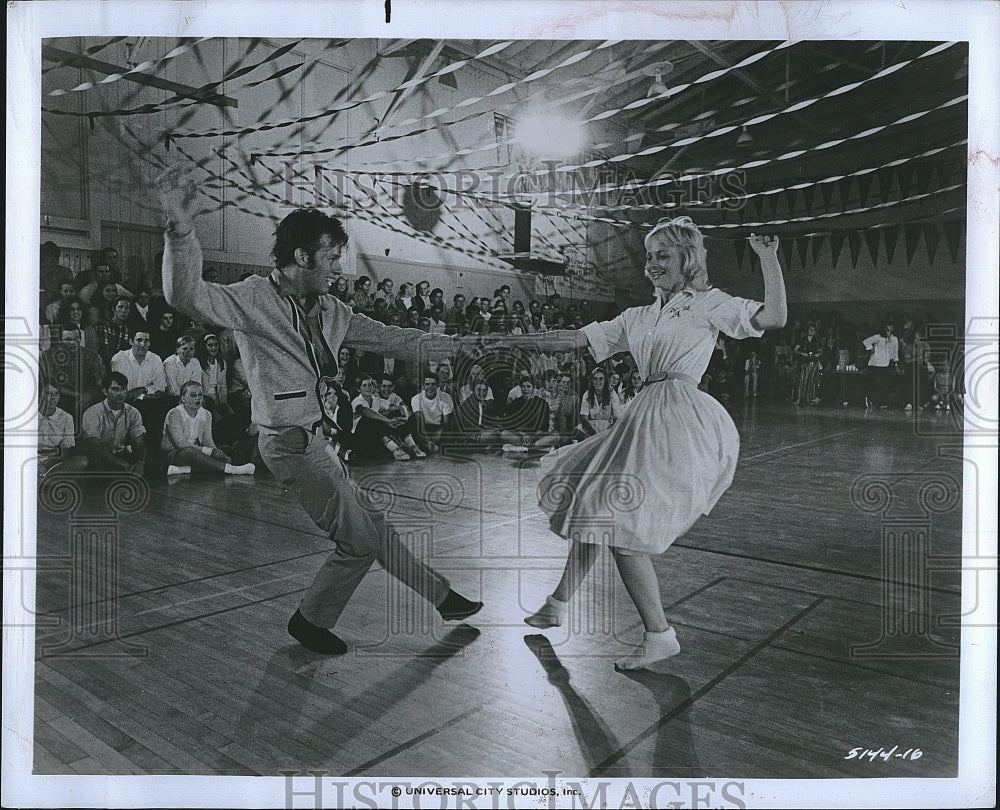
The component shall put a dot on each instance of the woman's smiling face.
(665, 265)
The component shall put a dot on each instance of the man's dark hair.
(303, 229)
(437, 291)
(430, 375)
(114, 377)
(50, 248)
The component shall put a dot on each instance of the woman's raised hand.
(764, 245)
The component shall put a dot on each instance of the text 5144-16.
(885, 755)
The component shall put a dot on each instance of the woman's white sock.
(655, 647)
(548, 615)
(240, 469)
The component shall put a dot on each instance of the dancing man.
(288, 330)
(678, 441)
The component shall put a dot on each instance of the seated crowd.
(143, 381)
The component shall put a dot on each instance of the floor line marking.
(685, 704)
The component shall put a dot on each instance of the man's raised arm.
(183, 285)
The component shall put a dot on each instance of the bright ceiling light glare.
(550, 135)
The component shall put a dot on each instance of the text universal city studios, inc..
(312, 789)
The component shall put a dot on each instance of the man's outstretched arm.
(183, 285)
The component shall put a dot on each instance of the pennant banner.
(887, 180)
(836, 243)
(953, 236)
(891, 237)
(740, 246)
(802, 243)
(872, 239)
(818, 241)
(844, 186)
(865, 186)
(931, 238)
(911, 234)
(924, 171)
(854, 243)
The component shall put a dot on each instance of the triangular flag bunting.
(886, 182)
(787, 251)
(944, 171)
(741, 249)
(911, 234)
(931, 239)
(854, 242)
(935, 181)
(871, 239)
(807, 199)
(777, 205)
(817, 245)
(845, 192)
(905, 172)
(791, 196)
(891, 236)
(827, 191)
(836, 243)
(953, 236)
(864, 186)
(802, 244)
(758, 207)
(924, 177)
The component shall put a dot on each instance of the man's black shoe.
(317, 639)
(456, 606)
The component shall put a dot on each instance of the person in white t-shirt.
(56, 442)
(181, 367)
(375, 423)
(432, 410)
(187, 438)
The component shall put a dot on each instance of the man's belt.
(670, 375)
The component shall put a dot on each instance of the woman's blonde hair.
(681, 232)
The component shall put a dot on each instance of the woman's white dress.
(668, 459)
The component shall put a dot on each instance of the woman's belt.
(670, 375)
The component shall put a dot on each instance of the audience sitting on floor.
(432, 412)
(113, 436)
(187, 438)
(147, 384)
(56, 436)
(378, 424)
(477, 419)
(181, 367)
(526, 419)
(215, 384)
(485, 397)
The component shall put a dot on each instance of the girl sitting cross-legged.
(187, 438)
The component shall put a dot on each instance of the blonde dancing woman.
(677, 442)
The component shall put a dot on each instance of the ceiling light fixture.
(745, 138)
(659, 70)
